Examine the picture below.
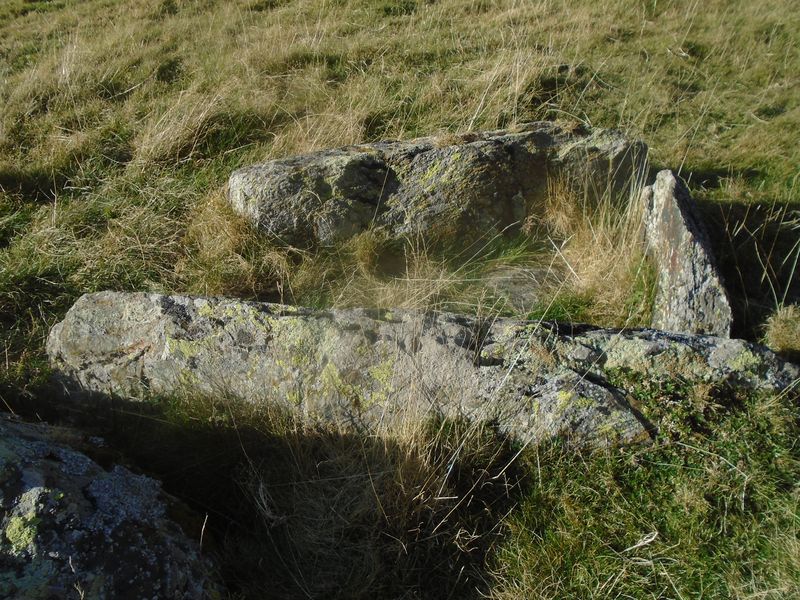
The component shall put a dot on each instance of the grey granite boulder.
(71, 530)
(369, 368)
(690, 296)
(473, 185)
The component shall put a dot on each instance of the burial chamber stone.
(690, 295)
(455, 188)
(70, 529)
(371, 368)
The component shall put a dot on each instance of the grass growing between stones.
(584, 260)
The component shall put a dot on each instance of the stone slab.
(455, 188)
(690, 295)
(370, 368)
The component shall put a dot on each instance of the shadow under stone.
(292, 511)
(758, 253)
(710, 178)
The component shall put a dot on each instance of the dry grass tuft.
(783, 331)
(601, 243)
(416, 278)
(226, 256)
(175, 135)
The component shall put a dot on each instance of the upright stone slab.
(71, 529)
(463, 186)
(690, 296)
(367, 369)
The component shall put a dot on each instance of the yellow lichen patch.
(382, 376)
(298, 339)
(494, 352)
(584, 402)
(204, 309)
(564, 398)
(21, 531)
(294, 397)
(334, 383)
(744, 361)
(431, 172)
(609, 430)
(187, 348)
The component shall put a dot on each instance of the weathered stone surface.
(369, 367)
(71, 530)
(690, 296)
(477, 186)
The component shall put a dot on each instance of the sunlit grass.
(120, 124)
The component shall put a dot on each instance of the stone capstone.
(690, 296)
(466, 186)
(70, 529)
(368, 368)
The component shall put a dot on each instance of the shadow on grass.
(32, 183)
(758, 252)
(714, 178)
(312, 512)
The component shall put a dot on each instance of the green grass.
(566, 308)
(116, 142)
(710, 510)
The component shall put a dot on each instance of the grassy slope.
(121, 121)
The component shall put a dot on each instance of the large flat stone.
(690, 295)
(370, 368)
(469, 186)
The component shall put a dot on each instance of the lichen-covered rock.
(690, 296)
(475, 185)
(368, 367)
(71, 530)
